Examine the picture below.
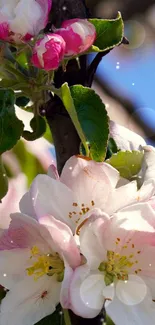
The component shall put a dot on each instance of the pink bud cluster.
(74, 37)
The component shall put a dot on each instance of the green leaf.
(109, 321)
(38, 125)
(11, 127)
(112, 148)
(128, 163)
(3, 181)
(109, 33)
(70, 107)
(55, 319)
(93, 118)
(22, 101)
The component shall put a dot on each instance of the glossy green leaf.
(109, 33)
(93, 118)
(38, 125)
(128, 163)
(11, 127)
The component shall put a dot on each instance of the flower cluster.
(85, 240)
(20, 21)
(74, 37)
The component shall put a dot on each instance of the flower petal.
(26, 205)
(24, 232)
(141, 314)
(51, 197)
(65, 287)
(79, 295)
(90, 244)
(121, 197)
(30, 301)
(91, 181)
(124, 138)
(13, 265)
(62, 239)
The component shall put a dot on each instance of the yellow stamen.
(49, 264)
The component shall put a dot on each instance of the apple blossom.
(83, 185)
(36, 264)
(48, 52)
(120, 268)
(79, 35)
(20, 19)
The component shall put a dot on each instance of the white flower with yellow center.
(120, 268)
(36, 264)
(83, 185)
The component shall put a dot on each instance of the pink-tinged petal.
(121, 197)
(48, 52)
(93, 291)
(23, 232)
(13, 265)
(51, 197)
(146, 261)
(10, 203)
(62, 238)
(135, 224)
(53, 172)
(140, 314)
(91, 181)
(65, 287)
(90, 243)
(79, 35)
(124, 138)
(4, 31)
(46, 6)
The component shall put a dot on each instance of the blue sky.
(135, 78)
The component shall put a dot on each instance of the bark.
(65, 137)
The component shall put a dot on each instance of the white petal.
(13, 265)
(82, 297)
(90, 243)
(141, 314)
(50, 196)
(124, 138)
(26, 305)
(26, 205)
(65, 287)
(121, 197)
(131, 292)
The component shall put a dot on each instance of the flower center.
(117, 266)
(49, 264)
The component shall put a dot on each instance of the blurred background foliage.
(125, 81)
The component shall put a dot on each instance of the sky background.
(133, 74)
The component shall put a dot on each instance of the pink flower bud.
(79, 35)
(48, 52)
